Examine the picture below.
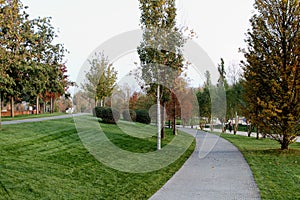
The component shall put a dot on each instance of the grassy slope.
(46, 160)
(276, 172)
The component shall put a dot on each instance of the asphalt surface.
(216, 170)
(39, 119)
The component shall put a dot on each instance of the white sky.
(85, 24)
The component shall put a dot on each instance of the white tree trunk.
(158, 120)
(211, 123)
(51, 105)
(236, 123)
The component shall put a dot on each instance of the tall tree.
(272, 69)
(30, 62)
(222, 75)
(215, 92)
(204, 99)
(160, 50)
(234, 102)
(46, 72)
(14, 48)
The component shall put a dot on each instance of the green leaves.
(100, 79)
(31, 64)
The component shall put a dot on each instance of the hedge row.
(110, 115)
(141, 116)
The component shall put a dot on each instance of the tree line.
(267, 92)
(31, 63)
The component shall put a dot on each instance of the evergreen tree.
(272, 69)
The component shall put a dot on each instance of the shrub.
(142, 116)
(129, 115)
(108, 115)
(99, 112)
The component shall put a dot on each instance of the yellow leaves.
(252, 73)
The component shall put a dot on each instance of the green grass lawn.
(46, 160)
(276, 172)
(19, 117)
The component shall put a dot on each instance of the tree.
(234, 73)
(14, 43)
(234, 102)
(160, 50)
(222, 75)
(46, 72)
(100, 80)
(272, 69)
(204, 100)
(30, 62)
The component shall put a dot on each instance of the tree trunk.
(249, 129)
(51, 105)
(257, 132)
(236, 127)
(163, 121)
(223, 127)
(37, 105)
(12, 110)
(285, 143)
(44, 107)
(158, 119)
(174, 119)
(211, 124)
(174, 114)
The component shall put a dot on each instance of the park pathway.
(40, 119)
(223, 174)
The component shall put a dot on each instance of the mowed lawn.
(46, 160)
(276, 172)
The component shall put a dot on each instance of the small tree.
(100, 80)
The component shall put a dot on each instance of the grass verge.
(46, 160)
(276, 172)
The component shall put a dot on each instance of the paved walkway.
(216, 170)
(39, 119)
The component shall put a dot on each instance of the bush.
(108, 115)
(129, 115)
(99, 112)
(142, 116)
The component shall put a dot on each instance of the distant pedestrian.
(230, 126)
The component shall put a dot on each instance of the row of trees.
(31, 64)
(230, 79)
(267, 93)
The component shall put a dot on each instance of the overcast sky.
(83, 25)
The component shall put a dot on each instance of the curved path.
(222, 174)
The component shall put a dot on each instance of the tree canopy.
(100, 79)
(160, 50)
(272, 69)
(31, 64)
